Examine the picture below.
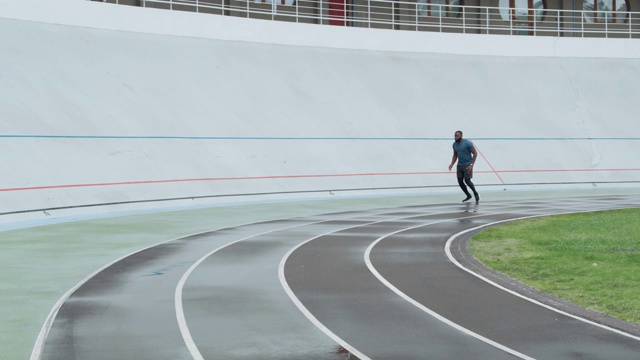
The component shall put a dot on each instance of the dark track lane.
(127, 311)
(236, 308)
(424, 273)
(331, 279)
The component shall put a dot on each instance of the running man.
(462, 152)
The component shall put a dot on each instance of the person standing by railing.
(465, 154)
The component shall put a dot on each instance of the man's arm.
(453, 159)
(473, 159)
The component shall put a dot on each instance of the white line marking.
(38, 347)
(36, 353)
(450, 255)
(182, 321)
(304, 310)
(374, 271)
(339, 340)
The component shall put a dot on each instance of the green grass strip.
(590, 259)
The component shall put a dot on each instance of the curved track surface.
(372, 284)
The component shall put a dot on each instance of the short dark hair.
(460, 132)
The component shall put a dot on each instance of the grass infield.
(590, 259)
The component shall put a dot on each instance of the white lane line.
(374, 271)
(182, 321)
(38, 347)
(453, 259)
(36, 353)
(304, 310)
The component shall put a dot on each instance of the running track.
(378, 284)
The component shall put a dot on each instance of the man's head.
(458, 136)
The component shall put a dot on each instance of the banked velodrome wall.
(92, 113)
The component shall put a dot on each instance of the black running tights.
(464, 188)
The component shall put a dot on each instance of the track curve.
(362, 279)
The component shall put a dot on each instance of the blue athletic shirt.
(463, 150)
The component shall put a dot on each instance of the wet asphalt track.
(366, 281)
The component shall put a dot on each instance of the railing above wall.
(420, 15)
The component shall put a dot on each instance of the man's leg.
(473, 188)
(464, 188)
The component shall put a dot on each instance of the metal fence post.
(511, 13)
(416, 16)
(393, 14)
(464, 21)
(535, 23)
(369, 13)
(487, 23)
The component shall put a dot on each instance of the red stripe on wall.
(565, 170)
(308, 176)
(215, 179)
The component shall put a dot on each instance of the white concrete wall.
(91, 115)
